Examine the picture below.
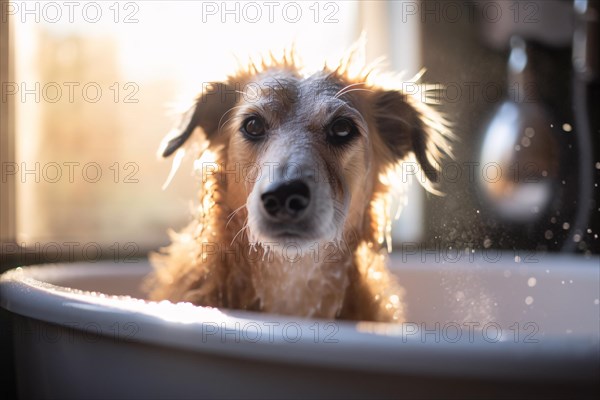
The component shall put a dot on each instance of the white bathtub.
(478, 326)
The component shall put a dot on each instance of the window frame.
(7, 141)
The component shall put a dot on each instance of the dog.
(296, 172)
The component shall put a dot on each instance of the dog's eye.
(253, 127)
(341, 130)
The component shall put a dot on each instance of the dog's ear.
(404, 128)
(207, 112)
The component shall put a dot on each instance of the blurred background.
(90, 88)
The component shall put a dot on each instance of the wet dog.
(295, 172)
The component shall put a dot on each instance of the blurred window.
(97, 85)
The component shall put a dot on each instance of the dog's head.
(304, 154)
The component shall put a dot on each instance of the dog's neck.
(290, 279)
(313, 284)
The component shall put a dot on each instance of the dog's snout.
(287, 200)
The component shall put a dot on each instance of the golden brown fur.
(226, 257)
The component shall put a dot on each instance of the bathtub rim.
(24, 291)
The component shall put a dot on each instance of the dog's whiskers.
(341, 91)
(230, 217)
(225, 123)
(356, 90)
(219, 125)
(242, 229)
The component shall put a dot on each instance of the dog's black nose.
(286, 200)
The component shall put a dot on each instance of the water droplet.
(563, 182)
(517, 147)
(477, 211)
(487, 242)
(529, 132)
(548, 234)
(551, 125)
(562, 282)
(517, 259)
(589, 230)
(528, 300)
(570, 280)
(566, 226)
(525, 142)
(597, 301)
(547, 271)
(507, 273)
(544, 173)
(595, 236)
(553, 220)
(531, 282)
(567, 127)
(569, 331)
(577, 238)
(598, 165)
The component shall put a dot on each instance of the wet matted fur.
(332, 263)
